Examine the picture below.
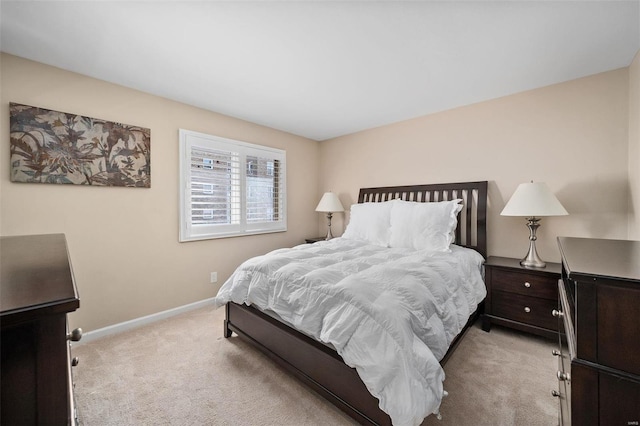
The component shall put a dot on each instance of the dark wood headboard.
(472, 219)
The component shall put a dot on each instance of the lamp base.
(532, 260)
(329, 235)
(532, 263)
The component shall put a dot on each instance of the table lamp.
(329, 204)
(532, 200)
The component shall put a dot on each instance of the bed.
(315, 359)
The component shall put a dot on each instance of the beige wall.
(634, 149)
(573, 135)
(124, 241)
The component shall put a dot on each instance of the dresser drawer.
(528, 310)
(525, 284)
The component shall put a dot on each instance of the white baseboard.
(138, 322)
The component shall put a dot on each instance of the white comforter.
(390, 313)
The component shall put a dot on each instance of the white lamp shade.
(533, 200)
(329, 203)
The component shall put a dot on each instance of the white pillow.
(370, 222)
(423, 226)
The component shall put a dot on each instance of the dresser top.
(35, 274)
(600, 258)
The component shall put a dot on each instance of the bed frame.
(319, 366)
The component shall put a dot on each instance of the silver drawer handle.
(75, 335)
(527, 285)
(557, 313)
(563, 376)
(75, 361)
(527, 309)
(555, 352)
(555, 393)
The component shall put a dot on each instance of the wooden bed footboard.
(315, 364)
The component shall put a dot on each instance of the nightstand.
(314, 240)
(521, 298)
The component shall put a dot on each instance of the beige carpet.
(181, 371)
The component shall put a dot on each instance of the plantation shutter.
(215, 187)
(230, 188)
(264, 191)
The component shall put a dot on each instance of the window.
(230, 188)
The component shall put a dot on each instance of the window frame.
(188, 231)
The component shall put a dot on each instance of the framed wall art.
(57, 147)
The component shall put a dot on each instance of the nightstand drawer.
(525, 284)
(528, 310)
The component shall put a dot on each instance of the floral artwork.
(56, 147)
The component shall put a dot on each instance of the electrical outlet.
(214, 277)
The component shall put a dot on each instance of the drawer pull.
(75, 361)
(562, 376)
(527, 309)
(555, 352)
(527, 285)
(75, 335)
(557, 313)
(555, 393)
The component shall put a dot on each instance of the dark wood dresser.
(521, 298)
(37, 290)
(599, 354)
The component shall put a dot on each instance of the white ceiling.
(327, 68)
